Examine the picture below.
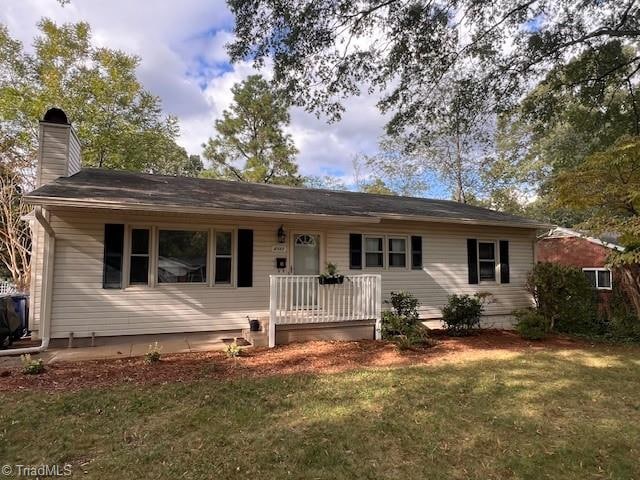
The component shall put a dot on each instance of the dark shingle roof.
(102, 187)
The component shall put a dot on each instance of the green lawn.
(533, 415)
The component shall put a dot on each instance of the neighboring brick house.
(578, 249)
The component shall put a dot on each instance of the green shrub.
(565, 298)
(31, 366)
(461, 315)
(233, 350)
(622, 322)
(531, 324)
(405, 305)
(153, 353)
(402, 323)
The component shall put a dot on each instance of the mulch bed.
(310, 357)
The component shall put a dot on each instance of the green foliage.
(622, 322)
(402, 324)
(607, 184)
(462, 313)
(325, 50)
(233, 350)
(404, 304)
(31, 366)
(153, 354)
(250, 143)
(376, 186)
(331, 275)
(118, 122)
(531, 324)
(564, 298)
(563, 121)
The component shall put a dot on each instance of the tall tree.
(250, 143)
(326, 49)
(607, 184)
(450, 145)
(119, 123)
(563, 121)
(15, 237)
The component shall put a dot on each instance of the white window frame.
(214, 256)
(389, 252)
(496, 261)
(600, 269)
(365, 251)
(129, 251)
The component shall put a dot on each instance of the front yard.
(484, 410)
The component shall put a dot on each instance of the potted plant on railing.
(331, 276)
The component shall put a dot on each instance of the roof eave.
(370, 218)
(152, 207)
(465, 221)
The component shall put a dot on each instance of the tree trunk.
(459, 194)
(629, 277)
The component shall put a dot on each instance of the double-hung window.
(600, 278)
(182, 256)
(487, 261)
(139, 257)
(374, 252)
(397, 252)
(223, 258)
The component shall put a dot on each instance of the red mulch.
(309, 357)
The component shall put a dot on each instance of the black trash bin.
(21, 305)
(10, 322)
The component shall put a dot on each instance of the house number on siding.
(279, 249)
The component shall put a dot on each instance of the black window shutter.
(245, 258)
(113, 252)
(472, 260)
(355, 251)
(504, 261)
(416, 253)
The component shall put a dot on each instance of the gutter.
(45, 290)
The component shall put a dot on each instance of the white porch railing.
(7, 288)
(300, 299)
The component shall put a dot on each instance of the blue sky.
(181, 45)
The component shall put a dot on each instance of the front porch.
(297, 301)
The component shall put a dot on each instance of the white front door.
(306, 254)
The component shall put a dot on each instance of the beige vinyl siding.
(54, 145)
(35, 287)
(75, 155)
(80, 304)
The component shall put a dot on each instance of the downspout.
(45, 290)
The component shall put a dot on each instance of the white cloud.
(181, 45)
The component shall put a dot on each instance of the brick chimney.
(58, 148)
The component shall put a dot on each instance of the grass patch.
(573, 414)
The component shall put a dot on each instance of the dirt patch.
(309, 357)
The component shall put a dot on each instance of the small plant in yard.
(402, 323)
(462, 313)
(31, 366)
(233, 350)
(153, 353)
(531, 324)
